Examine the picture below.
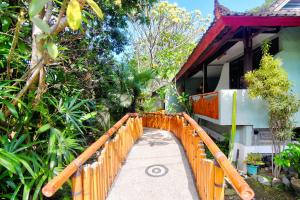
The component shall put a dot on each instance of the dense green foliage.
(271, 83)
(81, 90)
(290, 157)
(66, 76)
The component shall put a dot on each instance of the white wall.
(224, 78)
(252, 112)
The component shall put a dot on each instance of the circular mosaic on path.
(156, 170)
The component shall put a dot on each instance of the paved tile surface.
(155, 169)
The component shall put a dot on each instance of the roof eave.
(233, 22)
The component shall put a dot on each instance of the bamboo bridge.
(151, 156)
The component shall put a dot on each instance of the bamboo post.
(122, 141)
(238, 183)
(118, 153)
(218, 182)
(109, 165)
(105, 169)
(210, 179)
(198, 165)
(144, 121)
(112, 164)
(141, 127)
(202, 180)
(95, 170)
(168, 123)
(77, 185)
(98, 180)
(195, 155)
(101, 178)
(205, 172)
(202, 156)
(51, 187)
(87, 182)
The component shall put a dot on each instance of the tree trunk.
(134, 102)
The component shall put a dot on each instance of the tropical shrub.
(271, 83)
(254, 159)
(38, 142)
(290, 157)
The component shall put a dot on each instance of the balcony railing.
(206, 104)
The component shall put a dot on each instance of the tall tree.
(163, 39)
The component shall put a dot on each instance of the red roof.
(225, 25)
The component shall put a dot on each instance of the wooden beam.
(205, 83)
(247, 50)
(235, 40)
(211, 34)
(256, 21)
(248, 61)
(214, 47)
(264, 28)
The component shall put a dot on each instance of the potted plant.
(290, 158)
(253, 161)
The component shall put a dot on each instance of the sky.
(207, 6)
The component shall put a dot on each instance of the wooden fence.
(209, 174)
(93, 181)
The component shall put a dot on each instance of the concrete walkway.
(155, 169)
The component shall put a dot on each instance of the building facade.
(215, 70)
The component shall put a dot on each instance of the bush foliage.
(270, 82)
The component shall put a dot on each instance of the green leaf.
(27, 188)
(88, 116)
(5, 162)
(41, 24)
(52, 140)
(6, 21)
(52, 50)
(14, 196)
(2, 116)
(44, 128)
(74, 15)
(95, 8)
(27, 166)
(15, 161)
(11, 107)
(36, 6)
(38, 187)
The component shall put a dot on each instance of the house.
(230, 48)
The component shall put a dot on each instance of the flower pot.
(252, 169)
(295, 182)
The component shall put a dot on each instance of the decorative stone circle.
(156, 170)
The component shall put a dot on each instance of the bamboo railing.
(206, 104)
(93, 181)
(209, 174)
